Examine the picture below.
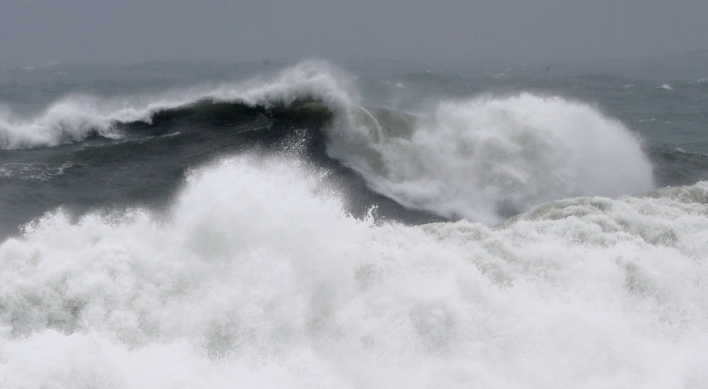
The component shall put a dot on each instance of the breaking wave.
(489, 158)
(257, 277)
(484, 159)
(75, 118)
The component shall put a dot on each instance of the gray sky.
(33, 32)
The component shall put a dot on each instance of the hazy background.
(99, 31)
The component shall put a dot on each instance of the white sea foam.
(489, 157)
(32, 170)
(257, 278)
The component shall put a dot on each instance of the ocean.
(364, 224)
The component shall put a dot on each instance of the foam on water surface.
(258, 278)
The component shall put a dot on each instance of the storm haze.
(37, 32)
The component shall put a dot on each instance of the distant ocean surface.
(377, 224)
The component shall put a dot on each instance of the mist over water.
(396, 226)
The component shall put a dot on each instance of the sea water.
(362, 225)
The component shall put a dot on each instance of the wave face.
(257, 277)
(483, 159)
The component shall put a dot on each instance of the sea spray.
(488, 158)
(257, 277)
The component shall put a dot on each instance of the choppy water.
(375, 224)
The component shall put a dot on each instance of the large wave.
(75, 118)
(257, 277)
(482, 159)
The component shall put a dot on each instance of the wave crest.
(75, 118)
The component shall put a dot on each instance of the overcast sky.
(33, 32)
